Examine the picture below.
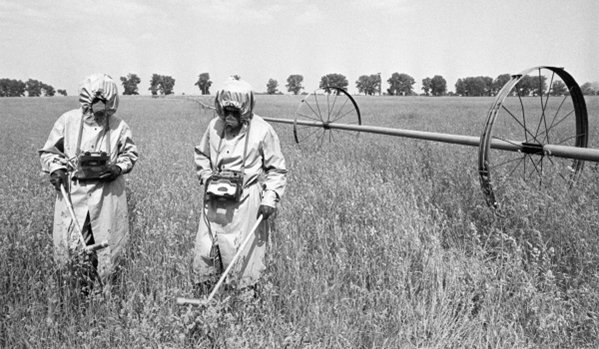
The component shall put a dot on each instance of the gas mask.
(99, 111)
(232, 117)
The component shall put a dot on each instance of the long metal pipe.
(587, 154)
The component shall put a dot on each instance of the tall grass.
(380, 242)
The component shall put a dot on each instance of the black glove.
(110, 173)
(266, 211)
(58, 177)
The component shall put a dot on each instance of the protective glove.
(266, 211)
(58, 177)
(110, 173)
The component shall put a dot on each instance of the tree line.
(399, 84)
(33, 88)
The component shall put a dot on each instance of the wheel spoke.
(536, 167)
(559, 122)
(343, 115)
(543, 105)
(314, 112)
(546, 137)
(521, 124)
(507, 141)
(523, 117)
(332, 106)
(308, 133)
(547, 102)
(318, 106)
(506, 162)
(509, 169)
(307, 116)
(340, 109)
(565, 140)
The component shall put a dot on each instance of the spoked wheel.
(317, 111)
(541, 106)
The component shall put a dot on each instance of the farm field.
(380, 242)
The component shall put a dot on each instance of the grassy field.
(380, 242)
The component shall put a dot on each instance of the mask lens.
(98, 108)
(232, 112)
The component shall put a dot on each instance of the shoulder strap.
(106, 132)
(78, 149)
(245, 146)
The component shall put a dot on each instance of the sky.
(60, 42)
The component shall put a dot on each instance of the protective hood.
(102, 87)
(238, 94)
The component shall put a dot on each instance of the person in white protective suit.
(88, 151)
(240, 151)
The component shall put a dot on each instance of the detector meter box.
(91, 165)
(225, 185)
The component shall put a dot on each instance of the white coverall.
(264, 184)
(105, 202)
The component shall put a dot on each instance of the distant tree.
(368, 84)
(48, 90)
(375, 79)
(426, 86)
(499, 82)
(4, 87)
(474, 86)
(540, 85)
(401, 84)
(463, 87)
(12, 88)
(154, 84)
(333, 80)
(488, 85)
(166, 85)
(438, 86)
(204, 83)
(460, 88)
(62, 92)
(531, 85)
(524, 86)
(235, 77)
(271, 86)
(130, 83)
(34, 88)
(559, 89)
(161, 83)
(587, 89)
(294, 83)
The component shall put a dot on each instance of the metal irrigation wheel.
(541, 106)
(318, 110)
